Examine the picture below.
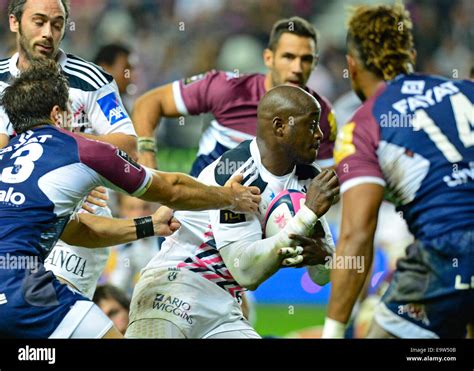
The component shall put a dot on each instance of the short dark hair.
(29, 100)
(16, 7)
(108, 54)
(105, 292)
(294, 25)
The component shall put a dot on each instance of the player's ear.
(14, 24)
(268, 58)
(352, 65)
(278, 126)
(414, 55)
(56, 116)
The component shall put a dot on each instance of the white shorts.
(80, 266)
(85, 320)
(195, 305)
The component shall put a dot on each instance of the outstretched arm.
(125, 142)
(360, 207)
(182, 192)
(93, 231)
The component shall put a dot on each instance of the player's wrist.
(333, 329)
(146, 144)
(306, 217)
(231, 198)
(144, 227)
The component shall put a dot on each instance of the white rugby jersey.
(195, 246)
(95, 99)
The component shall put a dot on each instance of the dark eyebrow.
(59, 17)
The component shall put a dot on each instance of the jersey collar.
(15, 72)
(255, 153)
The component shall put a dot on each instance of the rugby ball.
(280, 211)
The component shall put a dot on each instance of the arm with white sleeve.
(251, 260)
(109, 119)
(5, 129)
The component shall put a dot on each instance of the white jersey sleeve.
(229, 227)
(95, 98)
(105, 111)
(5, 125)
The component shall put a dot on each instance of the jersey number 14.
(463, 111)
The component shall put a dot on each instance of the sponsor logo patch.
(229, 217)
(127, 158)
(173, 273)
(174, 305)
(193, 79)
(11, 197)
(112, 108)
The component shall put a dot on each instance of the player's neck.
(371, 86)
(23, 62)
(273, 159)
(268, 82)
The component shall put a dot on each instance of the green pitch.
(176, 159)
(280, 320)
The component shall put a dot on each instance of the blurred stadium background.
(172, 39)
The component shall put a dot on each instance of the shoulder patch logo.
(229, 217)
(344, 143)
(112, 108)
(128, 159)
(193, 79)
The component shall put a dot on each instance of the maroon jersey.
(233, 100)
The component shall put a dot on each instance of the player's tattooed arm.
(146, 116)
(359, 220)
(3, 140)
(93, 231)
(182, 192)
(125, 142)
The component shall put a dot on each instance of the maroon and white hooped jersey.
(233, 100)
